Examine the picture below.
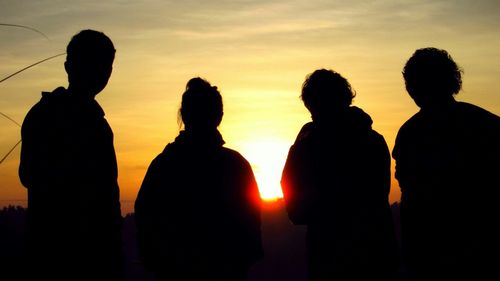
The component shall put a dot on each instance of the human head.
(201, 106)
(89, 61)
(432, 77)
(326, 90)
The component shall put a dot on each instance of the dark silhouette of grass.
(13, 121)
(30, 66)
(19, 71)
(25, 27)
(10, 151)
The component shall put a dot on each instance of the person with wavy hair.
(432, 77)
(198, 209)
(447, 163)
(336, 181)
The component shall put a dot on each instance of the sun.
(267, 158)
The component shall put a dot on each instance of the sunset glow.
(267, 158)
(257, 53)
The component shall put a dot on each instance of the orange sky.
(258, 54)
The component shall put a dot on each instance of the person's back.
(336, 181)
(447, 159)
(68, 165)
(198, 211)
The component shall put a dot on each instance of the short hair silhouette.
(324, 89)
(90, 45)
(201, 105)
(431, 75)
(74, 214)
(89, 61)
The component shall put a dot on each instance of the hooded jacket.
(336, 180)
(198, 209)
(68, 166)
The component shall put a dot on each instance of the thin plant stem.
(25, 27)
(10, 151)
(13, 121)
(30, 66)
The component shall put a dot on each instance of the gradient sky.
(258, 54)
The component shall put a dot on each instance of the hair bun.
(198, 84)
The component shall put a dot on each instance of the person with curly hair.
(447, 163)
(336, 181)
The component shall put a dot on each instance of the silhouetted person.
(68, 165)
(447, 164)
(336, 181)
(198, 209)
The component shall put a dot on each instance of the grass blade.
(13, 121)
(10, 151)
(25, 27)
(30, 66)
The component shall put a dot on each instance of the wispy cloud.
(237, 32)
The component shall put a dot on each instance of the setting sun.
(267, 158)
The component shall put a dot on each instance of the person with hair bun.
(198, 209)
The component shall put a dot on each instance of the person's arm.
(144, 216)
(381, 168)
(31, 149)
(296, 182)
(253, 213)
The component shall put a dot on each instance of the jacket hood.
(62, 98)
(199, 139)
(352, 119)
(56, 94)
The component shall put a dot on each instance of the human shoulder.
(475, 112)
(35, 114)
(407, 133)
(377, 138)
(234, 157)
(479, 123)
(305, 138)
(410, 128)
(43, 109)
(233, 154)
(305, 132)
(169, 150)
(50, 100)
(412, 123)
(163, 160)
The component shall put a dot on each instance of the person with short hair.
(69, 168)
